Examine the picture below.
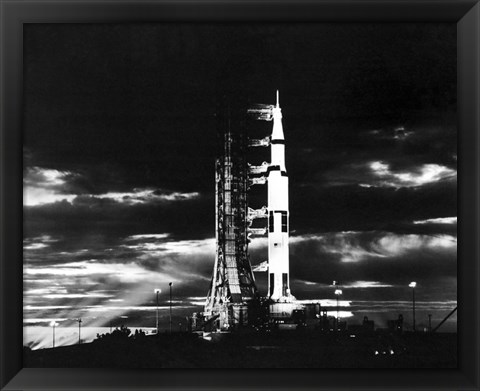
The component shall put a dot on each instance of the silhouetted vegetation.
(119, 335)
(279, 349)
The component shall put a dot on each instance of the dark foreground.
(287, 349)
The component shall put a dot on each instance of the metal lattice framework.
(232, 281)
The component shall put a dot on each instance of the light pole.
(79, 327)
(412, 285)
(170, 285)
(53, 324)
(157, 292)
(338, 293)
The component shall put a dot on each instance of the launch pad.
(233, 300)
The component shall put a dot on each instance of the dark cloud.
(343, 208)
(109, 219)
(374, 256)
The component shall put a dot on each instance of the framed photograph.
(237, 195)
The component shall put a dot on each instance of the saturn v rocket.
(278, 224)
(233, 286)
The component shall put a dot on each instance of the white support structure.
(263, 142)
(257, 170)
(261, 180)
(261, 213)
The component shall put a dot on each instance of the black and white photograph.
(240, 195)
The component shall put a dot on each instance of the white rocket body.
(278, 224)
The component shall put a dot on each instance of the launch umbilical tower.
(233, 284)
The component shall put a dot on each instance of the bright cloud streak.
(439, 220)
(140, 196)
(45, 176)
(355, 284)
(33, 196)
(366, 284)
(38, 243)
(425, 174)
(43, 320)
(191, 247)
(46, 291)
(346, 244)
(148, 236)
(392, 244)
(349, 246)
(46, 307)
(128, 272)
(45, 186)
(76, 295)
(35, 246)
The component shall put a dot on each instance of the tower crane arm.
(258, 169)
(261, 112)
(257, 213)
(258, 181)
(263, 142)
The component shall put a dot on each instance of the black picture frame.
(14, 14)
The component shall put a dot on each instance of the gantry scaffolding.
(232, 286)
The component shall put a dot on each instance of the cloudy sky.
(120, 143)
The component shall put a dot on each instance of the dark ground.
(288, 349)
